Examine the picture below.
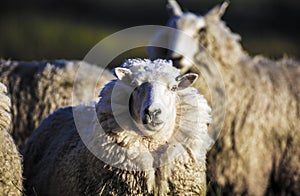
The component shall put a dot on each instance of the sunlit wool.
(39, 88)
(135, 163)
(10, 160)
(258, 150)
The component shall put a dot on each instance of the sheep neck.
(220, 44)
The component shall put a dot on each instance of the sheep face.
(192, 33)
(153, 100)
(186, 42)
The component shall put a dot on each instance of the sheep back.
(38, 88)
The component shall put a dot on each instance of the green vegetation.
(272, 45)
(35, 37)
(55, 29)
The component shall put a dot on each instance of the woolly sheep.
(10, 160)
(258, 150)
(150, 142)
(38, 88)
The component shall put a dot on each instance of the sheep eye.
(174, 88)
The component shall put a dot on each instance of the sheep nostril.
(156, 112)
(151, 115)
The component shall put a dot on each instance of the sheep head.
(194, 26)
(148, 116)
(153, 98)
(207, 33)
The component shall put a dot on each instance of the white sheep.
(258, 149)
(10, 159)
(39, 88)
(147, 141)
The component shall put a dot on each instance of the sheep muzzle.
(152, 118)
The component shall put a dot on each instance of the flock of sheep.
(151, 131)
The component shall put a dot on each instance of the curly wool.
(10, 160)
(71, 169)
(257, 151)
(260, 136)
(39, 88)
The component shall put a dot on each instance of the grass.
(42, 37)
(271, 45)
(35, 37)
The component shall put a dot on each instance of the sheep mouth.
(152, 125)
(155, 124)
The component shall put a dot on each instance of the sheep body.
(10, 160)
(257, 151)
(58, 160)
(38, 88)
(260, 136)
(261, 128)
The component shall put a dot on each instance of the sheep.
(10, 160)
(141, 138)
(257, 151)
(38, 88)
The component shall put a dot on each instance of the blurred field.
(53, 29)
(29, 37)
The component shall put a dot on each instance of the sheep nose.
(151, 116)
(152, 113)
(154, 117)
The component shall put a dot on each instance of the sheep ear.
(186, 80)
(218, 11)
(121, 73)
(173, 8)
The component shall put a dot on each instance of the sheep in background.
(149, 141)
(38, 88)
(10, 160)
(257, 151)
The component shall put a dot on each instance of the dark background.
(68, 29)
